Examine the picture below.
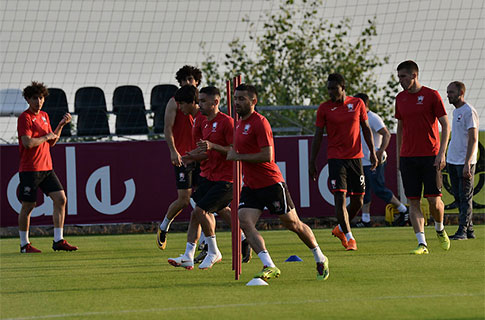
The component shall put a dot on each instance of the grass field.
(128, 277)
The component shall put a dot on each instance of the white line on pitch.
(237, 305)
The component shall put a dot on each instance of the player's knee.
(59, 199)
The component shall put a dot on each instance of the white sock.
(202, 237)
(24, 238)
(58, 234)
(212, 245)
(421, 238)
(365, 217)
(266, 259)
(439, 226)
(401, 208)
(340, 228)
(243, 236)
(190, 250)
(165, 225)
(318, 255)
(349, 236)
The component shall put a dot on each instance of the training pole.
(235, 228)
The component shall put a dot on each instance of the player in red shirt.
(421, 155)
(264, 185)
(343, 116)
(177, 130)
(35, 170)
(214, 192)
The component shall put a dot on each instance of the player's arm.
(369, 139)
(472, 145)
(316, 144)
(440, 161)
(386, 138)
(170, 113)
(65, 120)
(265, 155)
(29, 142)
(206, 145)
(398, 142)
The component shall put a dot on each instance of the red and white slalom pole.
(237, 177)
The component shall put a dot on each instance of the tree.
(295, 53)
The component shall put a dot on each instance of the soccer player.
(177, 130)
(421, 155)
(343, 116)
(375, 179)
(214, 192)
(264, 185)
(462, 157)
(35, 170)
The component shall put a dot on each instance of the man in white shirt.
(375, 179)
(462, 158)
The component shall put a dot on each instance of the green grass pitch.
(128, 277)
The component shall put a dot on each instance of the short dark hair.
(408, 65)
(186, 71)
(363, 97)
(35, 89)
(337, 77)
(459, 85)
(211, 90)
(188, 94)
(249, 88)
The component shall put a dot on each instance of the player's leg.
(217, 197)
(365, 220)
(337, 175)
(184, 190)
(27, 194)
(292, 222)
(246, 251)
(433, 182)
(186, 260)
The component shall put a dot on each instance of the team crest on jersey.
(350, 107)
(246, 128)
(420, 99)
(214, 126)
(458, 118)
(45, 120)
(333, 183)
(181, 177)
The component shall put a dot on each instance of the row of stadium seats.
(91, 110)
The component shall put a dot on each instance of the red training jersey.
(219, 130)
(182, 132)
(253, 134)
(419, 113)
(343, 127)
(34, 126)
(197, 135)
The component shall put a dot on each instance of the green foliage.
(295, 53)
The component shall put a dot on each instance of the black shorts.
(346, 175)
(186, 177)
(47, 181)
(212, 196)
(275, 197)
(419, 171)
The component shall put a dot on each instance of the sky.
(71, 44)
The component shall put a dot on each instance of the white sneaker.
(210, 259)
(182, 261)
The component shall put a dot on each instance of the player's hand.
(440, 162)
(373, 160)
(65, 119)
(176, 159)
(51, 136)
(204, 145)
(467, 173)
(232, 155)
